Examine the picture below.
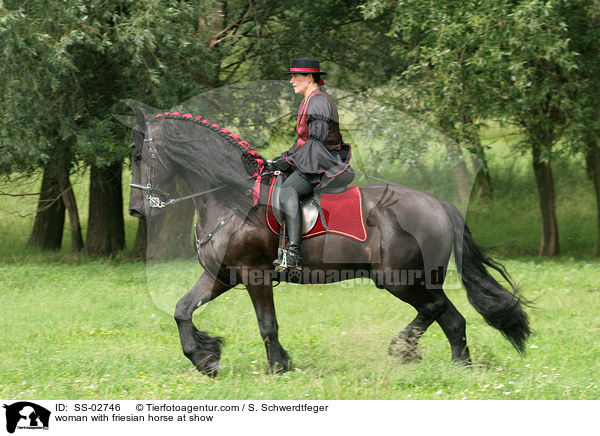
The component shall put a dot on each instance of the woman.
(318, 160)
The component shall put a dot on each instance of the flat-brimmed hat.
(305, 66)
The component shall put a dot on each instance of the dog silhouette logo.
(26, 415)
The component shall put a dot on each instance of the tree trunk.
(106, 228)
(63, 169)
(49, 222)
(70, 203)
(545, 185)
(482, 186)
(592, 159)
(482, 189)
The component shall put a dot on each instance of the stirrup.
(281, 262)
(287, 260)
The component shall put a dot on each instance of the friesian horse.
(407, 230)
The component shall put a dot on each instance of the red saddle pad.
(343, 215)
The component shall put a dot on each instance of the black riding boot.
(291, 257)
(293, 189)
(294, 232)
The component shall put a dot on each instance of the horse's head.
(150, 176)
(205, 156)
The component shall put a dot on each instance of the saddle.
(338, 210)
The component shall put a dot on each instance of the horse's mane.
(217, 156)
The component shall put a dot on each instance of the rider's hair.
(317, 78)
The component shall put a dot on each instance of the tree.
(25, 137)
(495, 58)
(532, 64)
(439, 85)
(581, 18)
(353, 49)
(106, 232)
(65, 68)
(49, 222)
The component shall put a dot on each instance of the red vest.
(302, 123)
(334, 138)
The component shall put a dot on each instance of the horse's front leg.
(262, 299)
(203, 350)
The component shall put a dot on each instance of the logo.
(26, 415)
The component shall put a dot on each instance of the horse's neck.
(207, 207)
(210, 212)
(210, 206)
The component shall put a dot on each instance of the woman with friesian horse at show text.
(318, 159)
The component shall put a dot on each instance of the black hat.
(305, 66)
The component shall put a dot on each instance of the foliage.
(584, 39)
(526, 63)
(492, 58)
(67, 65)
(353, 51)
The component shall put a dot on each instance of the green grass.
(91, 330)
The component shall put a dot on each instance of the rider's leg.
(292, 190)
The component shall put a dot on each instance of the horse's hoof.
(412, 357)
(210, 369)
(463, 363)
(407, 352)
(280, 368)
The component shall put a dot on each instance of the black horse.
(407, 231)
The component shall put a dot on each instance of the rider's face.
(300, 82)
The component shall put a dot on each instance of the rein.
(156, 202)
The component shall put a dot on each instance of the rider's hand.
(280, 163)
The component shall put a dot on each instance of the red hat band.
(305, 66)
(305, 70)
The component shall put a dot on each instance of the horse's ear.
(141, 116)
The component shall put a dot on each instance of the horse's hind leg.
(429, 305)
(454, 326)
(203, 350)
(262, 299)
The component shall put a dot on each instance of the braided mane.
(216, 155)
(253, 156)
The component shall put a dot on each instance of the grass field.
(90, 330)
(74, 327)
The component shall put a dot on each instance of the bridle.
(154, 195)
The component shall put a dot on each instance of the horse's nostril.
(136, 213)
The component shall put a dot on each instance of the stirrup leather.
(281, 251)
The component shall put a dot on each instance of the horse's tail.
(499, 307)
